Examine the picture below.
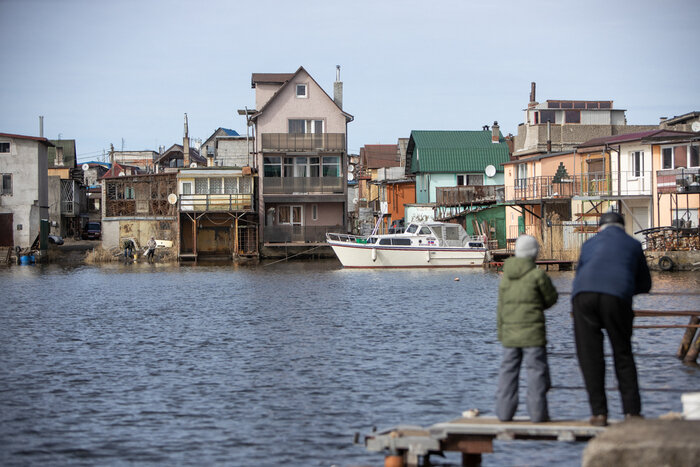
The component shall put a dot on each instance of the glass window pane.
(296, 126)
(667, 156)
(694, 156)
(284, 214)
(201, 186)
(214, 186)
(246, 186)
(547, 116)
(296, 214)
(573, 116)
(331, 166)
(230, 185)
(680, 157)
(187, 188)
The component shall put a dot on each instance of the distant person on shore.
(611, 270)
(151, 245)
(524, 293)
(128, 249)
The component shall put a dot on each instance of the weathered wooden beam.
(688, 336)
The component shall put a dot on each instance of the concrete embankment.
(646, 443)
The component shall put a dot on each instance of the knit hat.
(526, 246)
(611, 217)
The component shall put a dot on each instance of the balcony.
(465, 195)
(593, 184)
(298, 233)
(678, 180)
(216, 203)
(288, 142)
(302, 185)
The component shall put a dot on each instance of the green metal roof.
(455, 151)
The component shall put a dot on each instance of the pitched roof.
(33, 138)
(625, 138)
(230, 132)
(454, 151)
(68, 146)
(255, 116)
(380, 155)
(270, 78)
(117, 168)
(178, 149)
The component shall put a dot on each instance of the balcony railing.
(590, 184)
(464, 195)
(216, 202)
(298, 233)
(303, 142)
(678, 180)
(291, 185)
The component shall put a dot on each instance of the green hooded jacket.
(524, 293)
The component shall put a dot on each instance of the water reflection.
(275, 364)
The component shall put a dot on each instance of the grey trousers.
(538, 383)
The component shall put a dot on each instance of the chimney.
(549, 136)
(533, 98)
(186, 146)
(111, 156)
(59, 156)
(338, 88)
(41, 126)
(495, 133)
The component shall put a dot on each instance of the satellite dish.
(490, 171)
(351, 168)
(85, 167)
(172, 198)
(193, 165)
(121, 174)
(351, 176)
(695, 126)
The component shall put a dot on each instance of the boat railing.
(348, 238)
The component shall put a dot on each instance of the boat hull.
(372, 256)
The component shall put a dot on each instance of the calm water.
(276, 365)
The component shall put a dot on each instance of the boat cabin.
(433, 234)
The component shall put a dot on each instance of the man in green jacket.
(524, 293)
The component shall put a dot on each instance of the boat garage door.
(6, 238)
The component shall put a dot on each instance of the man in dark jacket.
(611, 270)
(523, 294)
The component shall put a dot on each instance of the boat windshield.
(412, 228)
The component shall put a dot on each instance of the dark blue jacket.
(612, 263)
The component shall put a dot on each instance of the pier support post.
(688, 337)
(693, 351)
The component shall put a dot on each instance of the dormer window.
(302, 91)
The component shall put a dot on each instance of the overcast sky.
(104, 72)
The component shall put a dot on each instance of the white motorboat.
(421, 245)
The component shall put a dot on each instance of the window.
(681, 156)
(289, 215)
(187, 188)
(4, 146)
(314, 212)
(573, 116)
(300, 127)
(7, 184)
(129, 192)
(231, 186)
(472, 180)
(521, 180)
(302, 91)
(214, 186)
(637, 163)
(331, 166)
(547, 116)
(272, 166)
(201, 187)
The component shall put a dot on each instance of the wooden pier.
(406, 446)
